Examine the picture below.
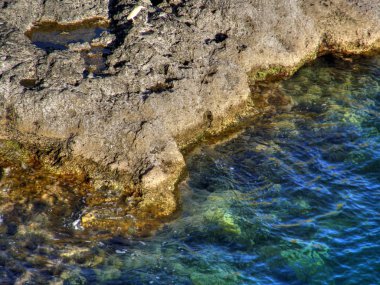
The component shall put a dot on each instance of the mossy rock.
(224, 220)
(214, 278)
(307, 261)
(107, 274)
(73, 278)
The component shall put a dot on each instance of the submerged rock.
(308, 261)
(179, 71)
(214, 278)
(223, 220)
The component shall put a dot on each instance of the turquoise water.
(294, 199)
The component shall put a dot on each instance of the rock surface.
(181, 69)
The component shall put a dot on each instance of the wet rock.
(308, 261)
(224, 221)
(26, 278)
(73, 277)
(32, 241)
(219, 217)
(214, 278)
(108, 274)
(127, 118)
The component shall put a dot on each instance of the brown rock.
(177, 72)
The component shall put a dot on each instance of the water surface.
(81, 36)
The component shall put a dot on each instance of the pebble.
(121, 251)
(7, 171)
(77, 225)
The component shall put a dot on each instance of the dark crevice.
(4, 4)
(120, 27)
(156, 2)
(219, 38)
(208, 118)
(29, 83)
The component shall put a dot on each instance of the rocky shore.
(179, 71)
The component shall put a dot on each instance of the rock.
(214, 278)
(73, 277)
(307, 261)
(166, 76)
(26, 278)
(78, 47)
(223, 220)
(105, 39)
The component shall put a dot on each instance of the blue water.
(293, 199)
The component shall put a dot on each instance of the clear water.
(52, 36)
(294, 199)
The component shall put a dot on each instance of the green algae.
(219, 216)
(214, 278)
(73, 277)
(11, 150)
(107, 274)
(306, 261)
(277, 72)
(224, 221)
(203, 273)
(271, 73)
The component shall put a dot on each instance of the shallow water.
(293, 199)
(52, 36)
(82, 37)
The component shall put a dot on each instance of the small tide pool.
(91, 38)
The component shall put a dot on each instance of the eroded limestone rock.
(178, 71)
